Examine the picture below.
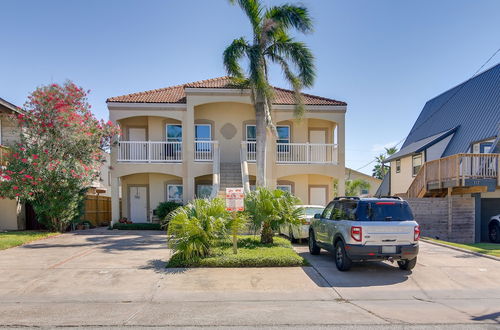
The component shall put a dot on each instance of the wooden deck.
(457, 174)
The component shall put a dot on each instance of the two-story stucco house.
(193, 140)
(11, 212)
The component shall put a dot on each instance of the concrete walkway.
(117, 278)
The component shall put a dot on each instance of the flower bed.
(251, 253)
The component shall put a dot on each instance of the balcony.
(298, 153)
(462, 173)
(162, 152)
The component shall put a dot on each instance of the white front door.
(318, 152)
(138, 198)
(317, 195)
(137, 134)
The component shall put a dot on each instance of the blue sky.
(385, 58)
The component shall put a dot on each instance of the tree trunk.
(261, 137)
(267, 234)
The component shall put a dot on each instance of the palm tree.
(271, 43)
(354, 187)
(379, 170)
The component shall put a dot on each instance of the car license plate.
(388, 249)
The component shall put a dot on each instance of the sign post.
(235, 198)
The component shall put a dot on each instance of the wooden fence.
(97, 210)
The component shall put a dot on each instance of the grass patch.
(251, 253)
(137, 226)
(484, 248)
(15, 238)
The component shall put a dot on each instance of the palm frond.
(289, 16)
(232, 54)
(253, 9)
(299, 54)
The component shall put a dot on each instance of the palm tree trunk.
(267, 234)
(261, 137)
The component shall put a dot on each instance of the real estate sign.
(235, 199)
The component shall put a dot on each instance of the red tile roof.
(176, 94)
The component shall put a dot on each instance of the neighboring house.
(351, 174)
(453, 147)
(12, 212)
(193, 140)
(102, 184)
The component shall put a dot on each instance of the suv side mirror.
(317, 216)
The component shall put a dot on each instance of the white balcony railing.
(306, 153)
(204, 151)
(297, 153)
(150, 151)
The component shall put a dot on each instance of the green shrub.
(194, 227)
(165, 208)
(251, 253)
(137, 226)
(269, 209)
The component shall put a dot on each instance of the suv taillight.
(357, 233)
(416, 233)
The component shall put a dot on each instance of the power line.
(441, 107)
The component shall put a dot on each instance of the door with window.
(138, 201)
(137, 148)
(318, 151)
(203, 138)
(173, 149)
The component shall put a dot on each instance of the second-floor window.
(203, 132)
(416, 163)
(174, 133)
(398, 165)
(283, 133)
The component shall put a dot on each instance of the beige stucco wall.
(9, 210)
(224, 115)
(400, 182)
(300, 185)
(156, 183)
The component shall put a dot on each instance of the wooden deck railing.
(454, 170)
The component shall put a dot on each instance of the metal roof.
(473, 108)
(420, 145)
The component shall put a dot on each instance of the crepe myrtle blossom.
(59, 155)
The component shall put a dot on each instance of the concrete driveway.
(117, 278)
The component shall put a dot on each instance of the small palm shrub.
(269, 209)
(164, 208)
(196, 226)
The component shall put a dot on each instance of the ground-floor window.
(174, 193)
(416, 163)
(203, 190)
(285, 187)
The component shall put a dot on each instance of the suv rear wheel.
(494, 233)
(342, 261)
(407, 264)
(313, 247)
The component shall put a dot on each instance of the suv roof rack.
(346, 197)
(392, 197)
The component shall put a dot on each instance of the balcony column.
(115, 199)
(341, 155)
(188, 152)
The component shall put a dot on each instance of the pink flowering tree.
(59, 154)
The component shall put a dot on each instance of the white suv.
(364, 229)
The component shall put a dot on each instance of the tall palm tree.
(379, 170)
(271, 43)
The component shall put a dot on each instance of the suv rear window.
(384, 211)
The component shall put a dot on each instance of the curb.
(461, 250)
